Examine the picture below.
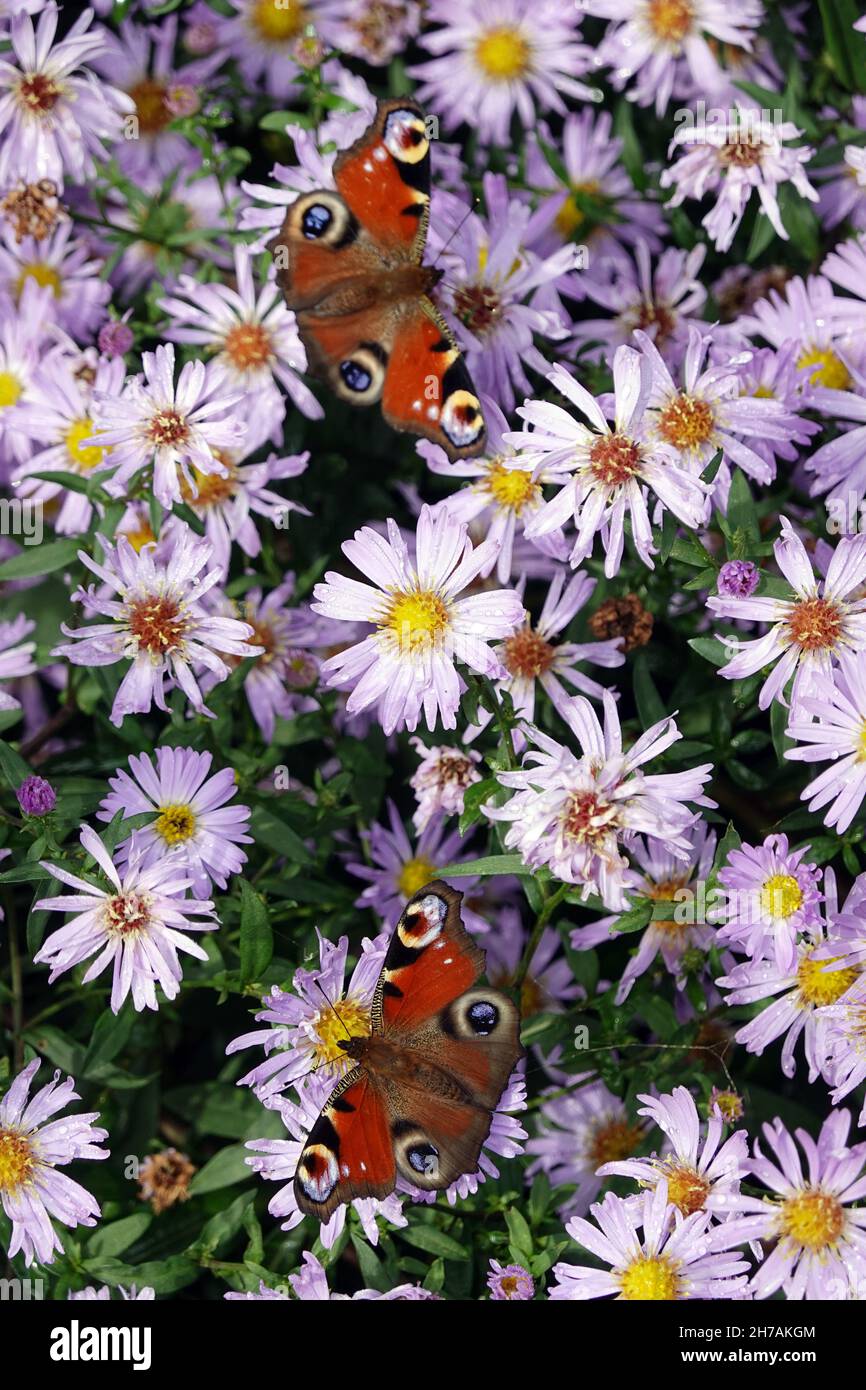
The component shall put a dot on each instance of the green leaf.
(163, 1276)
(222, 1227)
(269, 830)
(635, 919)
(434, 1242)
(710, 648)
(40, 559)
(109, 1036)
(488, 866)
(223, 1170)
(520, 1247)
(741, 515)
(12, 766)
(117, 1236)
(257, 938)
(650, 705)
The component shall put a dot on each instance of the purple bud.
(115, 339)
(36, 797)
(738, 579)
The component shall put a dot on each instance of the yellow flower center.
(278, 20)
(830, 370)
(612, 1140)
(416, 619)
(42, 273)
(150, 105)
(814, 1219)
(127, 914)
(570, 215)
(686, 422)
(332, 1025)
(763, 393)
(686, 1188)
(10, 390)
(175, 824)
(650, 1279)
(527, 655)
(819, 985)
(140, 536)
(82, 456)
(248, 345)
(503, 54)
(16, 1160)
(512, 488)
(815, 624)
(781, 896)
(211, 489)
(861, 743)
(670, 19)
(414, 875)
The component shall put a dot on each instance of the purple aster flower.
(810, 631)
(734, 159)
(255, 339)
(440, 781)
(59, 416)
(137, 925)
(807, 314)
(276, 1160)
(262, 37)
(55, 114)
(605, 471)
(157, 621)
(578, 1131)
(115, 338)
(663, 43)
(103, 1294)
(407, 664)
(22, 345)
(500, 58)
(36, 797)
(843, 1026)
(738, 579)
(501, 498)
(666, 878)
(669, 1261)
(308, 1025)
(191, 815)
(842, 186)
(701, 1172)
(373, 30)
(771, 896)
(179, 429)
(841, 460)
(663, 299)
(830, 726)
(16, 657)
(534, 662)
(32, 1191)
(550, 986)
(396, 870)
(310, 1284)
(263, 1293)
(574, 814)
(66, 266)
(510, 1282)
(819, 1243)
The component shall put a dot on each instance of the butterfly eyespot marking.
(415, 1153)
(362, 376)
(424, 1158)
(322, 217)
(482, 1017)
(318, 1172)
(405, 136)
(462, 421)
(423, 922)
(316, 221)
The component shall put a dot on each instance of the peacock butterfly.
(419, 1100)
(349, 265)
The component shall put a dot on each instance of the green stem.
(548, 907)
(17, 981)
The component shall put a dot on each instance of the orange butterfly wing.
(349, 1152)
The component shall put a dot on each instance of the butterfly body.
(420, 1098)
(349, 263)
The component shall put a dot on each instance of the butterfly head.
(354, 1047)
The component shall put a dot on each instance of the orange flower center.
(38, 93)
(167, 428)
(614, 459)
(815, 624)
(150, 106)
(157, 624)
(248, 345)
(528, 655)
(670, 19)
(686, 422)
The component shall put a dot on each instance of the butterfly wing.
(385, 179)
(349, 1152)
(427, 389)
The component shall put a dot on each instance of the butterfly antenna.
(333, 1008)
(444, 247)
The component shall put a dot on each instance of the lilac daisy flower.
(398, 870)
(157, 621)
(819, 1240)
(510, 1282)
(842, 186)
(701, 1172)
(500, 58)
(575, 814)
(502, 497)
(263, 1293)
(103, 1295)
(16, 657)
(606, 471)
(440, 781)
(577, 1133)
(373, 30)
(65, 265)
(310, 1284)
(176, 428)
(137, 925)
(808, 631)
(738, 579)
(662, 299)
(32, 1191)
(55, 114)
(262, 37)
(664, 42)
(191, 815)
(255, 339)
(841, 460)
(670, 1261)
(830, 726)
(843, 1034)
(534, 662)
(22, 346)
(771, 896)
(745, 154)
(666, 878)
(309, 1024)
(407, 664)
(807, 314)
